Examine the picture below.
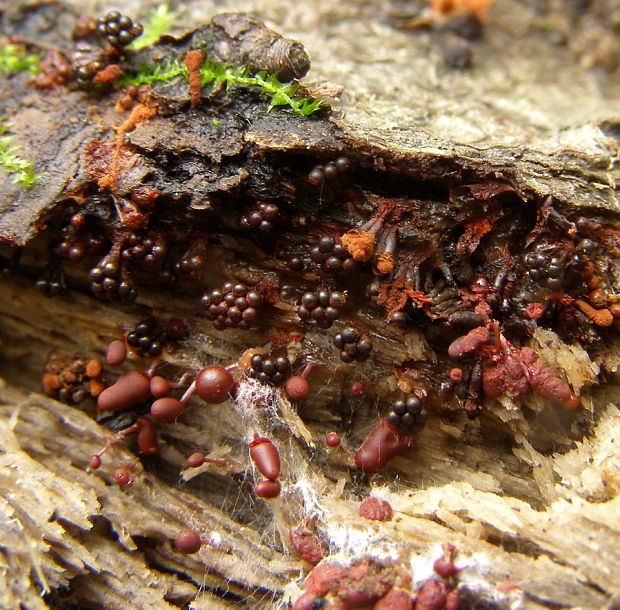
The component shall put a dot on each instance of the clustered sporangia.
(460, 263)
(118, 30)
(353, 345)
(72, 380)
(266, 369)
(321, 307)
(330, 172)
(262, 216)
(234, 305)
(149, 336)
(330, 254)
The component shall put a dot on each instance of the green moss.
(14, 58)
(281, 94)
(158, 22)
(23, 170)
(159, 73)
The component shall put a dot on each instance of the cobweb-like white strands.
(257, 405)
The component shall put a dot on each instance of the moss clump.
(158, 22)
(282, 94)
(14, 58)
(14, 164)
(162, 72)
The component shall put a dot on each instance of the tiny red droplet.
(167, 410)
(375, 509)
(214, 384)
(146, 438)
(396, 599)
(195, 459)
(130, 388)
(188, 542)
(357, 387)
(332, 439)
(268, 489)
(117, 353)
(297, 387)
(381, 445)
(177, 328)
(266, 457)
(456, 374)
(95, 462)
(159, 386)
(122, 476)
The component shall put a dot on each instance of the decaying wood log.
(458, 174)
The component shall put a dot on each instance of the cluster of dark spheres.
(232, 306)
(269, 370)
(108, 282)
(332, 256)
(330, 171)
(147, 338)
(147, 248)
(408, 415)
(353, 345)
(321, 307)
(261, 217)
(118, 30)
(52, 281)
(545, 269)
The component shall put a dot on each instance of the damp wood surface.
(528, 492)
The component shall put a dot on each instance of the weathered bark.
(528, 492)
